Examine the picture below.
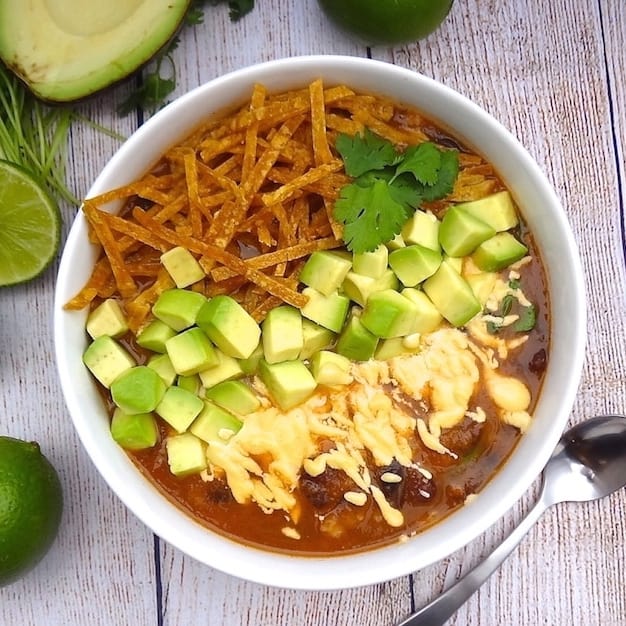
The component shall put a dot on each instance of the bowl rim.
(378, 564)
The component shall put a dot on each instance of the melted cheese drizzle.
(263, 462)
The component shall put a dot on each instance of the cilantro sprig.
(388, 186)
(159, 80)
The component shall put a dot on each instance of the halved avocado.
(65, 50)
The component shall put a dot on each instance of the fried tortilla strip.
(139, 308)
(134, 231)
(252, 133)
(125, 283)
(279, 109)
(269, 259)
(259, 313)
(268, 158)
(100, 276)
(191, 177)
(312, 176)
(271, 285)
(397, 136)
(321, 150)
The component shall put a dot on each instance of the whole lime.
(388, 22)
(31, 505)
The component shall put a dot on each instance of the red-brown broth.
(482, 448)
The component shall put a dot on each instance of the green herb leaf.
(423, 161)
(366, 152)
(514, 284)
(370, 215)
(151, 95)
(237, 8)
(493, 328)
(391, 186)
(507, 304)
(447, 175)
(405, 192)
(527, 319)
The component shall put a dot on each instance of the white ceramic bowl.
(544, 215)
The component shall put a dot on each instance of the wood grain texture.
(554, 75)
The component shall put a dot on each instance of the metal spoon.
(588, 463)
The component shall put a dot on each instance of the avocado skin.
(66, 66)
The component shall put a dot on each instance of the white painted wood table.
(554, 74)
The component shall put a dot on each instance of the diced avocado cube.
(414, 264)
(234, 395)
(182, 266)
(391, 348)
(190, 383)
(107, 319)
(106, 359)
(498, 252)
(289, 383)
(162, 365)
(356, 342)
(229, 326)
(134, 432)
(324, 271)
(389, 314)
(227, 368)
(372, 264)
(179, 408)
(282, 334)
(186, 454)
(314, 338)
(178, 308)
(214, 423)
(330, 368)
(456, 262)
(422, 229)
(461, 233)
(497, 210)
(191, 352)
(395, 243)
(428, 317)
(251, 364)
(327, 311)
(138, 390)
(154, 335)
(452, 295)
(359, 287)
(482, 285)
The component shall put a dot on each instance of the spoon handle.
(444, 606)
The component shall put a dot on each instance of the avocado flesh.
(65, 50)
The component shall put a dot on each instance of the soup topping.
(318, 323)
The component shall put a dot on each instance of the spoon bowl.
(588, 463)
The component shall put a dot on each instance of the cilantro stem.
(34, 135)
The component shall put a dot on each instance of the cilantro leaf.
(151, 95)
(527, 319)
(423, 161)
(446, 177)
(404, 190)
(388, 186)
(370, 215)
(237, 8)
(362, 153)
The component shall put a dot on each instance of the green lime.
(30, 226)
(31, 504)
(385, 21)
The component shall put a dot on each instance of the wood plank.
(102, 548)
(552, 93)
